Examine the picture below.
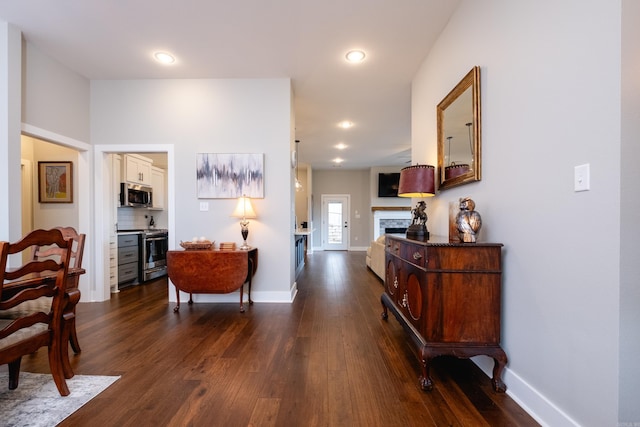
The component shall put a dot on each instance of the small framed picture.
(55, 182)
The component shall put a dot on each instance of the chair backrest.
(77, 248)
(33, 301)
(31, 281)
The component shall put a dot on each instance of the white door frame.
(83, 193)
(102, 181)
(346, 199)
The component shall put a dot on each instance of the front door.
(335, 222)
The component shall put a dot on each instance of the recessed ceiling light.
(341, 146)
(338, 160)
(355, 56)
(164, 57)
(345, 124)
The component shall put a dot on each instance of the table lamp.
(417, 181)
(244, 210)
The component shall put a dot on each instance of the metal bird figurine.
(468, 221)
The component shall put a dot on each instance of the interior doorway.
(102, 206)
(49, 146)
(335, 222)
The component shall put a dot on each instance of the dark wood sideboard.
(447, 298)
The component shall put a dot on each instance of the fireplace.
(395, 230)
(390, 218)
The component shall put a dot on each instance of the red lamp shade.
(453, 171)
(417, 181)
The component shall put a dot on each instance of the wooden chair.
(77, 250)
(24, 328)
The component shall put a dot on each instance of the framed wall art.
(229, 176)
(55, 182)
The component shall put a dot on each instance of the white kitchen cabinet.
(158, 185)
(137, 169)
(113, 264)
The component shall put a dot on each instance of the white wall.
(550, 81)
(49, 215)
(630, 206)
(55, 98)
(302, 198)
(10, 104)
(212, 116)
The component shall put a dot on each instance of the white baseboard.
(527, 397)
(351, 249)
(234, 297)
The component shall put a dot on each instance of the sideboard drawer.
(414, 254)
(393, 246)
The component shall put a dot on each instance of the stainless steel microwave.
(137, 196)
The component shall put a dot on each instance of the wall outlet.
(204, 206)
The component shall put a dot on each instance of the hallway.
(326, 360)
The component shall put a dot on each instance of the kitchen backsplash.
(133, 218)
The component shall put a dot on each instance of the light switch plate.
(581, 178)
(204, 206)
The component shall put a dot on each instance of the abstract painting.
(229, 176)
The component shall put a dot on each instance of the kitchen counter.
(303, 232)
(301, 247)
(141, 230)
(121, 232)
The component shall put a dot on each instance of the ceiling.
(298, 39)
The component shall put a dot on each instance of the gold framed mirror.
(459, 143)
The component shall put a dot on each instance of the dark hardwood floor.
(326, 360)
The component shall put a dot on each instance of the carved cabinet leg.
(426, 384)
(499, 362)
(385, 313)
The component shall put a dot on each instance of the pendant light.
(298, 183)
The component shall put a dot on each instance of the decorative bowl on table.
(199, 245)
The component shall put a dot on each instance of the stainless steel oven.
(155, 244)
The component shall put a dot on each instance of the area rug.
(36, 402)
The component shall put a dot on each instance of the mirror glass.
(459, 148)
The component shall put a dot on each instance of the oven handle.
(155, 238)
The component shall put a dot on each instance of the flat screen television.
(388, 184)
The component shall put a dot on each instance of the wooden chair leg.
(73, 296)
(56, 366)
(68, 321)
(73, 337)
(14, 373)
